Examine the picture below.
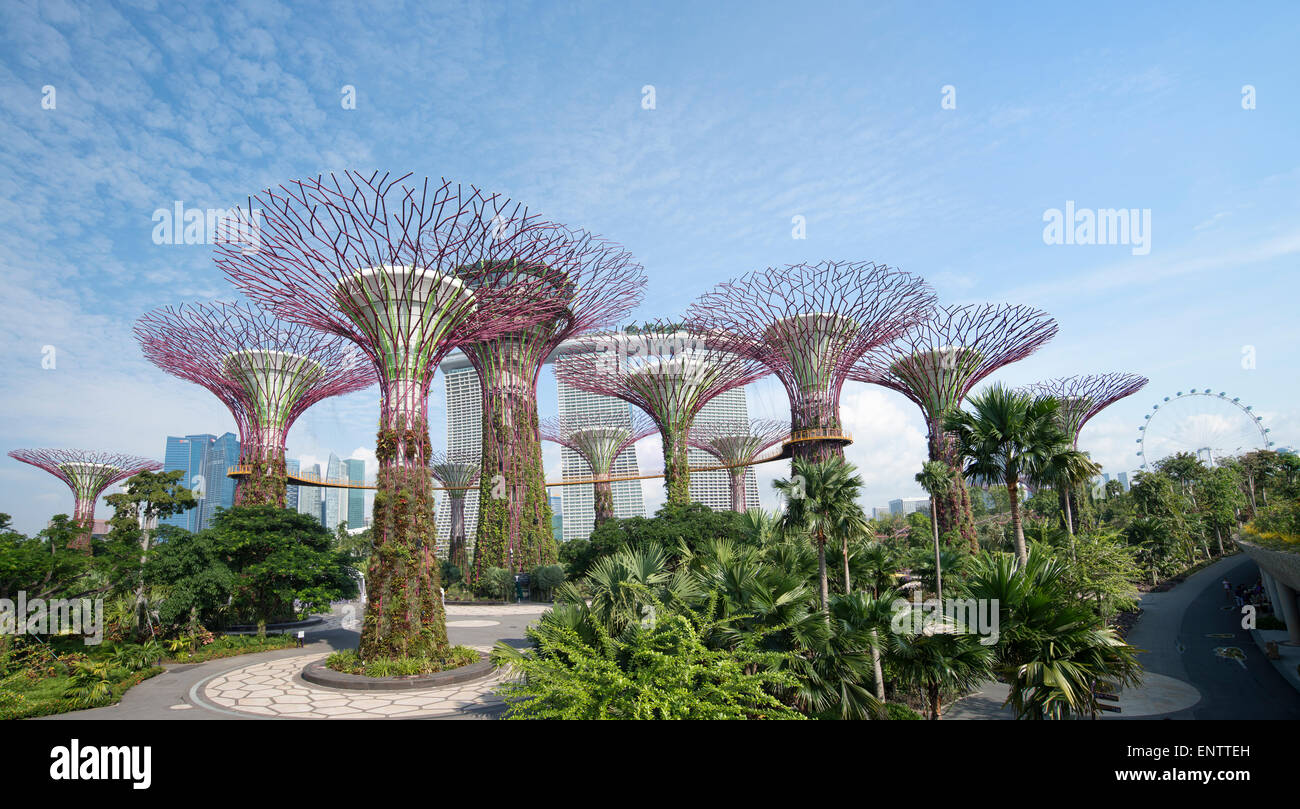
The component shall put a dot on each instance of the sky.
(935, 138)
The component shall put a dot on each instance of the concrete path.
(236, 687)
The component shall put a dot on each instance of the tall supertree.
(598, 441)
(937, 363)
(589, 284)
(1084, 396)
(736, 444)
(394, 266)
(809, 323)
(266, 371)
(668, 370)
(457, 476)
(88, 474)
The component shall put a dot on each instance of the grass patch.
(232, 645)
(350, 662)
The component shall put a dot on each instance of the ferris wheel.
(1203, 423)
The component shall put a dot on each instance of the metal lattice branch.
(267, 372)
(936, 363)
(88, 474)
(809, 324)
(1084, 396)
(669, 371)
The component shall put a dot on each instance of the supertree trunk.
(266, 482)
(677, 468)
(603, 501)
(514, 524)
(737, 476)
(83, 514)
(954, 509)
(458, 553)
(404, 612)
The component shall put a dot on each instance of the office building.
(205, 459)
(309, 497)
(907, 505)
(557, 518)
(356, 498)
(291, 466)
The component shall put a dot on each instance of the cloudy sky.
(934, 139)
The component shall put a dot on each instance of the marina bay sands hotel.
(465, 436)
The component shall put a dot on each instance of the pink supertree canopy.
(599, 440)
(1084, 396)
(588, 284)
(266, 371)
(407, 269)
(938, 361)
(737, 445)
(809, 324)
(88, 474)
(668, 370)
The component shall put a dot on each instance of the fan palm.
(936, 478)
(938, 662)
(1007, 437)
(821, 503)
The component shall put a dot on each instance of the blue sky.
(762, 112)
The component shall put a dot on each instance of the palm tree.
(1007, 437)
(821, 503)
(940, 661)
(936, 478)
(1065, 470)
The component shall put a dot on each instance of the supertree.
(267, 372)
(394, 266)
(668, 370)
(457, 476)
(1084, 396)
(589, 284)
(88, 474)
(736, 445)
(1080, 398)
(598, 441)
(809, 323)
(937, 363)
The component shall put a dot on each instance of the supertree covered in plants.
(1084, 396)
(809, 323)
(937, 363)
(598, 441)
(668, 370)
(394, 265)
(457, 476)
(88, 474)
(736, 444)
(589, 284)
(266, 371)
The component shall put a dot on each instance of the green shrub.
(895, 710)
(349, 662)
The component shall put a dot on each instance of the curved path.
(1181, 633)
(268, 685)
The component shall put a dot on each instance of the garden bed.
(318, 673)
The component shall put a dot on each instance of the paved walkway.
(268, 685)
(275, 688)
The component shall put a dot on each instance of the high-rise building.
(578, 501)
(335, 509)
(356, 498)
(464, 442)
(557, 518)
(204, 458)
(906, 505)
(713, 489)
(1123, 480)
(880, 513)
(309, 497)
(291, 466)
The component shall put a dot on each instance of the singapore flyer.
(1208, 424)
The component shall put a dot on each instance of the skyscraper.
(557, 518)
(204, 458)
(309, 497)
(291, 466)
(464, 442)
(356, 498)
(335, 509)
